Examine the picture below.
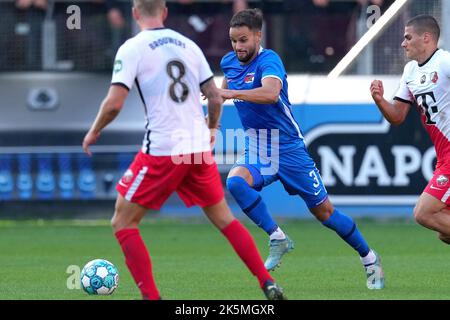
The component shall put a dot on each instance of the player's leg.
(346, 228)
(244, 245)
(432, 209)
(299, 175)
(145, 185)
(203, 187)
(125, 225)
(444, 238)
(433, 214)
(241, 182)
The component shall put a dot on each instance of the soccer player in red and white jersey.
(426, 83)
(169, 71)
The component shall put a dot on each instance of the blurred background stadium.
(52, 80)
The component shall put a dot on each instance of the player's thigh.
(435, 197)
(150, 180)
(251, 172)
(427, 205)
(299, 175)
(219, 214)
(201, 185)
(437, 193)
(127, 214)
(243, 172)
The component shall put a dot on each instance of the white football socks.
(278, 235)
(369, 259)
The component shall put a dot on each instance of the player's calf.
(444, 238)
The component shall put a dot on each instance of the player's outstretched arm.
(211, 92)
(268, 93)
(394, 112)
(224, 83)
(109, 109)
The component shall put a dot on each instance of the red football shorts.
(150, 180)
(439, 185)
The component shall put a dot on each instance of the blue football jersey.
(255, 117)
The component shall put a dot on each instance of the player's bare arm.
(394, 112)
(211, 92)
(109, 109)
(268, 93)
(224, 83)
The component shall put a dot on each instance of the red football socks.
(138, 261)
(245, 247)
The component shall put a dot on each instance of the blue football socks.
(251, 203)
(346, 228)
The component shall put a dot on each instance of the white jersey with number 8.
(168, 70)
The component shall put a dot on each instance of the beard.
(247, 57)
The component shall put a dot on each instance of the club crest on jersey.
(249, 77)
(128, 176)
(423, 79)
(434, 77)
(442, 180)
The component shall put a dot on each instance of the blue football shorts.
(295, 169)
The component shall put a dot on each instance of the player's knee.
(236, 185)
(420, 216)
(324, 211)
(118, 221)
(219, 214)
(115, 222)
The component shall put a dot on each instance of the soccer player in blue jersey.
(255, 79)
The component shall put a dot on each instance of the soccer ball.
(100, 277)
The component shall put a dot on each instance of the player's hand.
(226, 94)
(377, 90)
(90, 138)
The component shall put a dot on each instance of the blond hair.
(149, 7)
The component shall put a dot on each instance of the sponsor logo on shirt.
(423, 79)
(249, 77)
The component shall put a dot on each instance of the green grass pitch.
(192, 260)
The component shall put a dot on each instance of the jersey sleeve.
(403, 94)
(445, 64)
(272, 67)
(125, 66)
(205, 70)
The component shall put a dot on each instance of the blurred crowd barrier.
(311, 36)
